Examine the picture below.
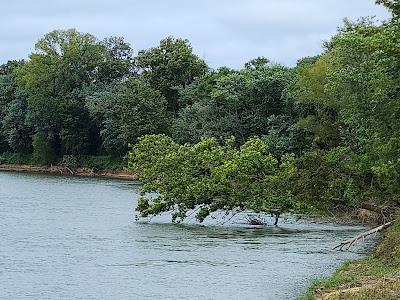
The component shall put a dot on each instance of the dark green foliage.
(10, 109)
(170, 66)
(128, 112)
(43, 149)
(329, 128)
(55, 78)
(16, 158)
(101, 162)
(284, 137)
(354, 91)
(330, 180)
(233, 103)
(15, 126)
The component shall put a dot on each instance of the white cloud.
(224, 32)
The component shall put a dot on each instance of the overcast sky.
(223, 32)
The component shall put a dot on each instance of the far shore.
(60, 170)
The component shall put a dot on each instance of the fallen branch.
(362, 236)
(72, 172)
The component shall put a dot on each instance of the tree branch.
(352, 241)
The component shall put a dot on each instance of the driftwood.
(255, 220)
(69, 170)
(362, 236)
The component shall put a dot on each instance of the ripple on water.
(74, 238)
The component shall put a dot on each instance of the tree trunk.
(276, 219)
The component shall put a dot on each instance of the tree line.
(323, 134)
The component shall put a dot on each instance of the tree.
(208, 176)
(233, 104)
(55, 77)
(284, 136)
(142, 110)
(353, 89)
(12, 109)
(127, 112)
(43, 150)
(257, 63)
(321, 117)
(170, 66)
(393, 6)
(329, 181)
(15, 126)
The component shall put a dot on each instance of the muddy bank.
(86, 172)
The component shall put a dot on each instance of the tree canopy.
(322, 135)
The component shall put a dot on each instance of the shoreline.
(377, 276)
(59, 170)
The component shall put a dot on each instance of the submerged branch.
(352, 241)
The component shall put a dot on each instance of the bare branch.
(362, 236)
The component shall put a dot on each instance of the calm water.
(75, 238)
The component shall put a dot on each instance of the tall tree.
(12, 109)
(131, 110)
(234, 104)
(55, 77)
(170, 66)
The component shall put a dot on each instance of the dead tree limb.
(362, 236)
(72, 172)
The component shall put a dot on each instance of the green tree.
(127, 112)
(257, 63)
(170, 66)
(208, 176)
(15, 126)
(12, 109)
(393, 6)
(43, 150)
(353, 89)
(321, 117)
(55, 77)
(284, 136)
(233, 104)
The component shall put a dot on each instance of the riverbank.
(60, 170)
(375, 277)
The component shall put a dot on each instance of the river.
(76, 238)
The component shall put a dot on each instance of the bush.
(69, 161)
(16, 159)
(101, 162)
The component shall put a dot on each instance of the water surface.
(75, 238)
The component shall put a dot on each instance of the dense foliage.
(322, 135)
(209, 176)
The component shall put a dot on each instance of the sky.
(222, 32)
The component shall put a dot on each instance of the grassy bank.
(376, 277)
